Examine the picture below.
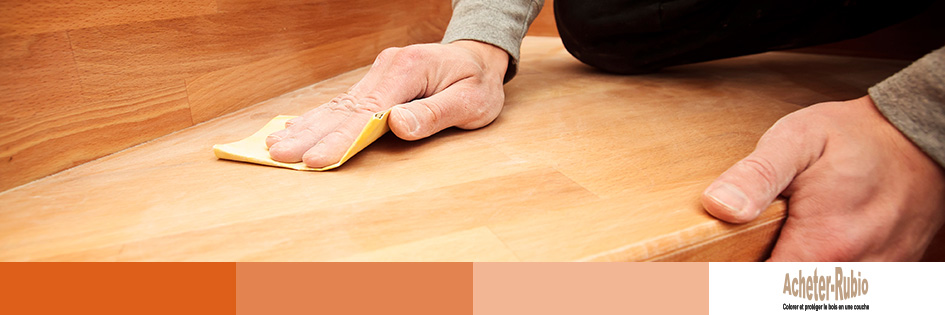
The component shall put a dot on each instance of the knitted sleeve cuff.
(502, 23)
(913, 100)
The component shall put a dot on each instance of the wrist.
(495, 60)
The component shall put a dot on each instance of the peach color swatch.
(590, 288)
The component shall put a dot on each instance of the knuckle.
(435, 115)
(370, 103)
(408, 57)
(386, 55)
(761, 168)
(796, 126)
(347, 103)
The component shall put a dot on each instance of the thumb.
(422, 118)
(416, 120)
(748, 187)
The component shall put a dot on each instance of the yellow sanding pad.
(253, 149)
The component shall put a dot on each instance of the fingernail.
(410, 119)
(730, 197)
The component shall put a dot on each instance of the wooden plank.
(22, 17)
(58, 141)
(639, 227)
(37, 77)
(581, 165)
(544, 23)
(243, 5)
(751, 244)
(91, 90)
(122, 59)
(478, 244)
(359, 228)
(223, 91)
(47, 125)
(30, 64)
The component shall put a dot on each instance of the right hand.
(431, 87)
(858, 188)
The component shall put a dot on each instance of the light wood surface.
(580, 166)
(83, 79)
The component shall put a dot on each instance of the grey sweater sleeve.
(502, 23)
(913, 100)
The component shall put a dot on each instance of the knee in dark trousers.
(631, 37)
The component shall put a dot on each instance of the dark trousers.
(640, 36)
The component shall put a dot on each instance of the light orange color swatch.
(590, 288)
(354, 288)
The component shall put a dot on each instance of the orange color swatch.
(590, 288)
(117, 288)
(354, 288)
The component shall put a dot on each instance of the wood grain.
(243, 5)
(22, 17)
(126, 57)
(83, 79)
(223, 91)
(733, 247)
(581, 165)
(45, 122)
(544, 23)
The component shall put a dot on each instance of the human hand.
(431, 87)
(857, 188)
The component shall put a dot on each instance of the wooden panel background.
(83, 79)
(544, 23)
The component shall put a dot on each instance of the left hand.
(857, 188)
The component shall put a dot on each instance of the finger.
(280, 135)
(420, 118)
(275, 137)
(453, 107)
(330, 149)
(305, 133)
(744, 190)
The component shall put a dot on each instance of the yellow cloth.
(253, 149)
